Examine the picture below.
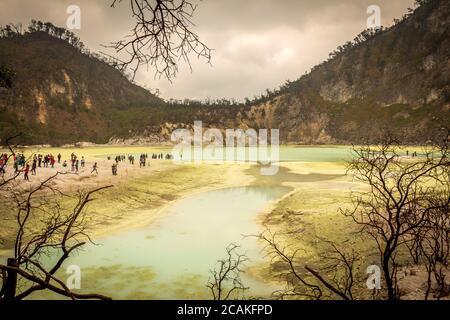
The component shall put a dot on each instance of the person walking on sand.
(33, 167)
(2, 166)
(82, 162)
(16, 166)
(76, 165)
(94, 168)
(25, 172)
(59, 158)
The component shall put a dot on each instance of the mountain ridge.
(58, 90)
(396, 79)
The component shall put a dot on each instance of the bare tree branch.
(44, 227)
(397, 205)
(162, 36)
(225, 281)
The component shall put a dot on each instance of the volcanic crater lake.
(172, 257)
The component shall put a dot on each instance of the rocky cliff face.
(397, 80)
(61, 95)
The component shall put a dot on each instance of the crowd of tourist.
(20, 164)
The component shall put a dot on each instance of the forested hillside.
(398, 79)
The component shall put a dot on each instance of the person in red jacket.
(25, 172)
(52, 161)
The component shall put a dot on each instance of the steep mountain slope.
(397, 80)
(60, 95)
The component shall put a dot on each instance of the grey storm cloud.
(257, 44)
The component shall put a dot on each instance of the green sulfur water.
(171, 258)
(221, 155)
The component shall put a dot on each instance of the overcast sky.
(257, 44)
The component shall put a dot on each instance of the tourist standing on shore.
(59, 158)
(114, 169)
(142, 160)
(52, 161)
(33, 167)
(25, 172)
(3, 160)
(94, 168)
(16, 165)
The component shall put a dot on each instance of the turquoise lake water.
(285, 153)
(171, 258)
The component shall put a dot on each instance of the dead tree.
(225, 281)
(434, 245)
(396, 204)
(304, 281)
(44, 227)
(162, 36)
